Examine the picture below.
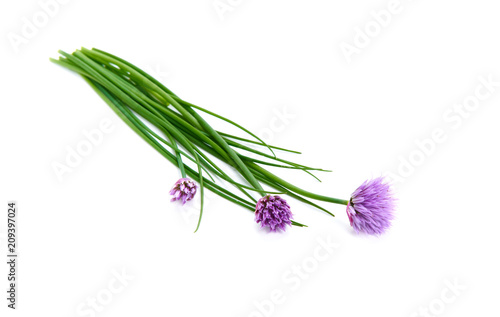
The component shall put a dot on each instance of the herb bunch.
(183, 135)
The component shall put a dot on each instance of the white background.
(360, 118)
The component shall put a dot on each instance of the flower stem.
(296, 189)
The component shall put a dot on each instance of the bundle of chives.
(138, 98)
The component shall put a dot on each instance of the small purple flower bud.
(371, 207)
(273, 212)
(184, 189)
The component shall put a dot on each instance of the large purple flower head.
(184, 189)
(273, 212)
(371, 207)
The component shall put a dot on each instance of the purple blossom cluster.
(184, 189)
(371, 207)
(273, 212)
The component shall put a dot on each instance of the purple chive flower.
(371, 207)
(184, 189)
(273, 212)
